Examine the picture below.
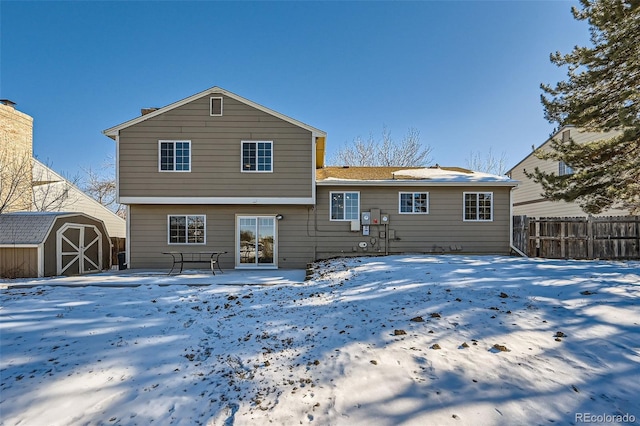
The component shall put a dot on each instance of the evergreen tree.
(602, 93)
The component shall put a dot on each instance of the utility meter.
(384, 219)
(366, 218)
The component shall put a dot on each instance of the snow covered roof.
(383, 176)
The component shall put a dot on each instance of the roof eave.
(425, 182)
(112, 132)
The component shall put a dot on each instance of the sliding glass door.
(257, 245)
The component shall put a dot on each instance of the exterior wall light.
(279, 217)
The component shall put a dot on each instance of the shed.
(42, 244)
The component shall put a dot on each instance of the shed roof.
(27, 227)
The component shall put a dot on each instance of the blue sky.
(465, 74)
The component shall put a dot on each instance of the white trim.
(211, 106)
(331, 202)
(216, 200)
(242, 169)
(186, 216)
(413, 201)
(493, 200)
(41, 260)
(118, 169)
(81, 248)
(256, 265)
(113, 131)
(314, 142)
(127, 241)
(173, 141)
(19, 245)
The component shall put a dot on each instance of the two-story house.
(216, 171)
(528, 199)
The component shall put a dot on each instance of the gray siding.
(51, 249)
(442, 230)
(149, 234)
(17, 262)
(215, 154)
(527, 197)
(306, 234)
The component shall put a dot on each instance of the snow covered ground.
(398, 340)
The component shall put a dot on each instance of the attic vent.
(566, 136)
(216, 107)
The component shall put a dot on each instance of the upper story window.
(478, 206)
(345, 205)
(175, 156)
(216, 107)
(257, 156)
(414, 202)
(563, 169)
(186, 229)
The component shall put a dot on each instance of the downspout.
(511, 246)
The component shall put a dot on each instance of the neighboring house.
(53, 193)
(219, 172)
(528, 199)
(16, 151)
(37, 187)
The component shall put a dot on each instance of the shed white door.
(79, 249)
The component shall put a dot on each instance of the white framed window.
(174, 156)
(563, 169)
(215, 105)
(257, 156)
(344, 205)
(478, 206)
(413, 203)
(187, 229)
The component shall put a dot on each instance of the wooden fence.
(614, 237)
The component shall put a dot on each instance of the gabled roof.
(387, 176)
(549, 139)
(113, 131)
(26, 228)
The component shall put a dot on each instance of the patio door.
(257, 242)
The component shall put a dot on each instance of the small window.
(478, 206)
(563, 169)
(186, 229)
(257, 156)
(175, 156)
(345, 205)
(414, 202)
(216, 107)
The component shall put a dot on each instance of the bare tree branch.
(408, 153)
(488, 163)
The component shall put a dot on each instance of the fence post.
(590, 237)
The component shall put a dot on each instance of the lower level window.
(345, 205)
(186, 229)
(414, 202)
(478, 206)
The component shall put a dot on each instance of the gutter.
(511, 246)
